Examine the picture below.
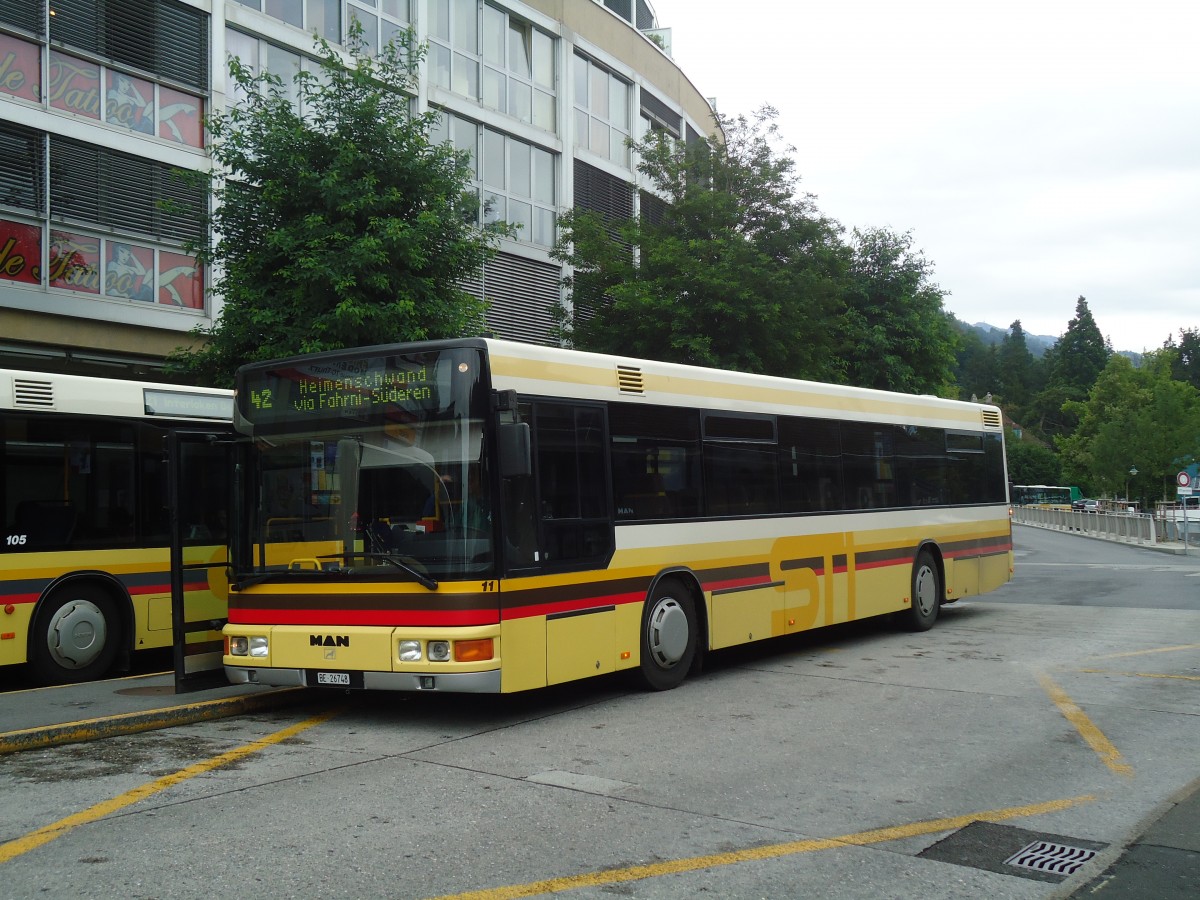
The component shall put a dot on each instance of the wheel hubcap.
(76, 634)
(667, 632)
(926, 591)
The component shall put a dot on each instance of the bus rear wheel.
(76, 635)
(926, 594)
(668, 636)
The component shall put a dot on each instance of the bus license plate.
(338, 679)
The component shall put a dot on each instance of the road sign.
(1183, 479)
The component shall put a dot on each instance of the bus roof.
(87, 395)
(535, 369)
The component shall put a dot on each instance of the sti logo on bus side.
(328, 640)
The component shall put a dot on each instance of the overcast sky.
(1037, 149)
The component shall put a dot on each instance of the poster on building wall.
(180, 117)
(20, 252)
(129, 102)
(129, 271)
(179, 281)
(74, 85)
(74, 262)
(20, 68)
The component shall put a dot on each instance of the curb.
(1094, 874)
(133, 723)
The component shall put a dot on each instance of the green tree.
(730, 267)
(895, 333)
(1186, 364)
(1031, 462)
(975, 371)
(1072, 367)
(1014, 370)
(338, 222)
(1134, 418)
(1081, 354)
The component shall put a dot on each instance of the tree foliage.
(895, 332)
(1185, 365)
(1080, 354)
(1016, 372)
(1134, 419)
(337, 221)
(736, 269)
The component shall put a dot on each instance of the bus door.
(200, 471)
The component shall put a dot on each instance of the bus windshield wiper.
(420, 577)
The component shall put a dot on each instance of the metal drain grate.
(1043, 856)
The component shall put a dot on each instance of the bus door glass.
(200, 469)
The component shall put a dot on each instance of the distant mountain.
(1038, 344)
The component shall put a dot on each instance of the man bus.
(485, 516)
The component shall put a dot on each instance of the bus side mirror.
(515, 458)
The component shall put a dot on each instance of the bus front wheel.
(926, 594)
(76, 635)
(668, 636)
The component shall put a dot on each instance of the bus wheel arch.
(81, 625)
(672, 626)
(928, 590)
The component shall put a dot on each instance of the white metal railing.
(1130, 528)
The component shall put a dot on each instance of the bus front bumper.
(455, 682)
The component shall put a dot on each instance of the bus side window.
(47, 524)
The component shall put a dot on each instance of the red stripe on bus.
(165, 588)
(19, 598)
(736, 583)
(549, 609)
(385, 618)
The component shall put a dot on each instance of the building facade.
(102, 100)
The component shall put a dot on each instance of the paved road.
(861, 762)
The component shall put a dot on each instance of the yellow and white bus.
(486, 516)
(88, 499)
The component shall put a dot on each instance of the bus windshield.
(369, 467)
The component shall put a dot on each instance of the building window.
(263, 56)
(100, 92)
(381, 20)
(321, 16)
(497, 59)
(602, 111)
(113, 227)
(454, 46)
(164, 38)
(515, 179)
(519, 71)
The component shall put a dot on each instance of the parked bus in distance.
(486, 516)
(85, 575)
(1045, 496)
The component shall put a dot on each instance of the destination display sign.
(333, 391)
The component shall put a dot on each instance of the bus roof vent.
(29, 394)
(630, 380)
(991, 418)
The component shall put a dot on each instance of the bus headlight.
(439, 651)
(257, 646)
(410, 651)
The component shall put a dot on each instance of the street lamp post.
(1132, 474)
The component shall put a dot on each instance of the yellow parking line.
(1139, 674)
(44, 835)
(771, 851)
(1104, 748)
(1145, 652)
